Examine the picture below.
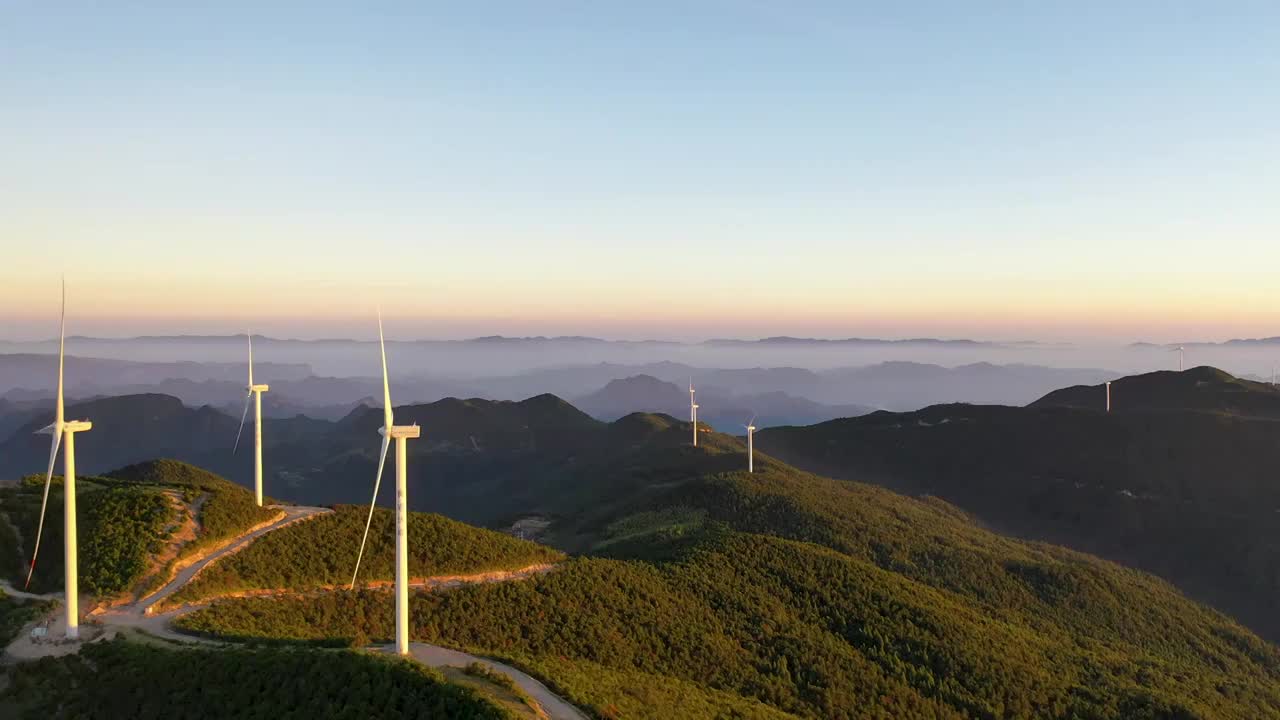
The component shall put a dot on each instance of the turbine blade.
(44, 503)
(59, 412)
(388, 418)
(243, 415)
(382, 461)
(250, 334)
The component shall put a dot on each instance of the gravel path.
(436, 656)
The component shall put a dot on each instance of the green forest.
(1186, 494)
(120, 679)
(124, 520)
(828, 600)
(120, 528)
(322, 552)
(226, 509)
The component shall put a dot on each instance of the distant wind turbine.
(1180, 353)
(400, 433)
(751, 451)
(1108, 396)
(693, 413)
(59, 428)
(255, 394)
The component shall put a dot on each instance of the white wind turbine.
(255, 394)
(693, 413)
(1180, 351)
(58, 429)
(751, 451)
(400, 433)
(1108, 396)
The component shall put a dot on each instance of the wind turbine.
(400, 433)
(1108, 396)
(1180, 352)
(693, 413)
(751, 452)
(255, 394)
(59, 428)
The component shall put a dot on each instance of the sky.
(998, 170)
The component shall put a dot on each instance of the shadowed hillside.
(127, 429)
(1189, 494)
(1200, 388)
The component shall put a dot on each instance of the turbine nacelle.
(66, 426)
(402, 431)
(257, 388)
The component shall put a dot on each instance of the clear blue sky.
(998, 169)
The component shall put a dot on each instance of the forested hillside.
(1201, 388)
(322, 553)
(823, 599)
(127, 520)
(1188, 494)
(119, 679)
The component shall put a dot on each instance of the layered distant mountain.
(1179, 479)
(90, 375)
(508, 356)
(894, 385)
(791, 395)
(133, 428)
(725, 412)
(126, 430)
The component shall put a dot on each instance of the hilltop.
(135, 525)
(1186, 492)
(1201, 388)
(321, 554)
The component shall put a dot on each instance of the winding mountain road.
(139, 616)
(437, 657)
(292, 514)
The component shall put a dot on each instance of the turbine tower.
(59, 428)
(1108, 396)
(1180, 353)
(751, 451)
(693, 413)
(400, 433)
(255, 394)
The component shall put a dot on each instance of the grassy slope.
(124, 680)
(827, 599)
(322, 552)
